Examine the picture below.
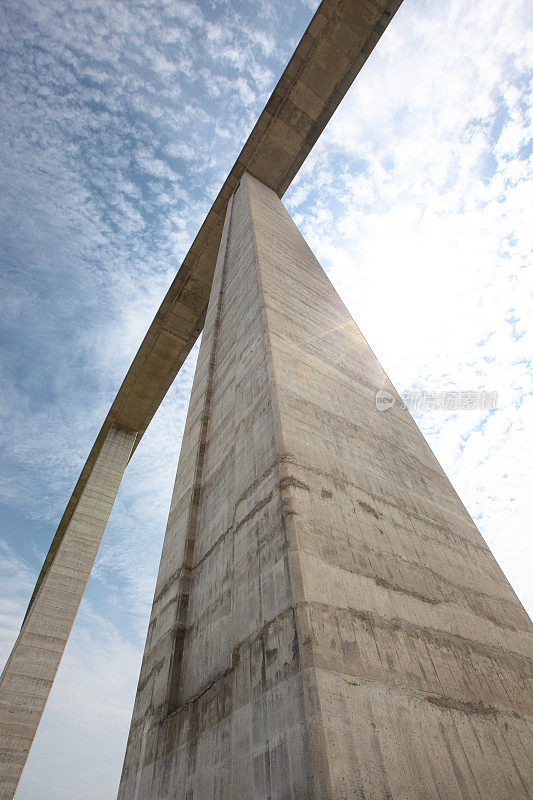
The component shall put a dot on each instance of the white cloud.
(415, 199)
(17, 581)
(82, 737)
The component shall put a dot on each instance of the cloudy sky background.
(119, 123)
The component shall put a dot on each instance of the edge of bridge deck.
(333, 49)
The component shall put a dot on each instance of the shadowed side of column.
(220, 709)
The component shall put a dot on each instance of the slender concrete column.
(328, 623)
(30, 671)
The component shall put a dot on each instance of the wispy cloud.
(120, 121)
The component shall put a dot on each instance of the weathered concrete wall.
(328, 621)
(30, 671)
(330, 54)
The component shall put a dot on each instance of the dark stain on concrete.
(290, 480)
(465, 706)
(417, 595)
(369, 509)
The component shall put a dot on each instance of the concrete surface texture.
(333, 49)
(30, 671)
(328, 623)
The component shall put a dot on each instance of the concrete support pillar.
(328, 622)
(30, 671)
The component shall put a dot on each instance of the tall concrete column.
(328, 623)
(30, 671)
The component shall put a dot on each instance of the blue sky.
(119, 123)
